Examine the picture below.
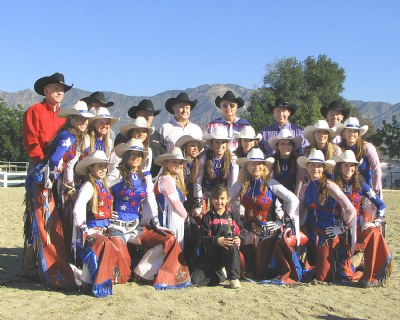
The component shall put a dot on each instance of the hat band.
(136, 148)
(353, 126)
(261, 159)
(83, 111)
(315, 159)
(104, 115)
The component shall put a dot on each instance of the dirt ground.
(20, 298)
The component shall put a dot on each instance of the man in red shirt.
(41, 121)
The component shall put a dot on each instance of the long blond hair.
(359, 146)
(94, 201)
(245, 178)
(92, 139)
(179, 180)
(209, 166)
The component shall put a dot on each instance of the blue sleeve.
(372, 196)
(64, 141)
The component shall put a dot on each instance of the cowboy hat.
(218, 133)
(351, 123)
(188, 138)
(336, 105)
(96, 157)
(131, 144)
(146, 105)
(54, 78)
(174, 154)
(285, 134)
(78, 109)
(282, 103)
(347, 156)
(182, 97)
(99, 97)
(254, 155)
(319, 125)
(102, 113)
(247, 132)
(231, 97)
(139, 122)
(316, 156)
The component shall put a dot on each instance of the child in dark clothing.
(221, 235)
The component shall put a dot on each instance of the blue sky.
(145, 47)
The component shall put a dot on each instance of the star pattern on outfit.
(101, 213)
(123, 207)
(59, 276)
(259, 217)
(181, 274)
(101, 203)
(66, 143)
(126, 198)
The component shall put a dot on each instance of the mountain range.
(201, 114)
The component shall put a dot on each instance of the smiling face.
(138, 133)
(255, 168)
(135, 160)
(281, 115)
(333, 117)
(351, 136)
(54, 93)
(192, 149)
(181, 111)
(98, 170)
(79, 123)
(218, 147)
(321, 138)
(228, 109)
(101, 126)
(247, 144)
(174, 167)
(219, 203)
(347, 170)
(285, 148)
(315, 170)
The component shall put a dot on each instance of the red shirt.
(39, 126)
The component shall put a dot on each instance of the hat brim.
(132, 111)
(243, 160)
(89, 100)
(65, 112)
(180, 143)
(81, 166)
(310, 130)
(112, 123)
(272, 142)
(304, 161)
(338, 159)
(340, 128)
(345, 111)
(209, 136)
(123, 147)
(126, 128)
(237, 136)
(159, 160)
(238, 100)
(44, 81)
(292, 108)
(172, 101)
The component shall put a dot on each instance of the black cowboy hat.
(146, 105)
(54, 78)
(229, 96)
(336, 105)
(282, 103)
(182, 97)
(99, 97)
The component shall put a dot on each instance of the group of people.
(188, 205)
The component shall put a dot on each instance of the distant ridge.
(202, 113)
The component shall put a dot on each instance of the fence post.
(5, 180)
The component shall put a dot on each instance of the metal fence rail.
(13, 173)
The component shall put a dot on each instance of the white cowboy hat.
(316, 156)
(319, 125)
(96, 157)
(247, 132)
(78, 109)
(218, 133)
(254, 155)
(188, 138)
(174, 154)
(130, 145)
(102, 113)
(139, 122)
(285, 134)
(347, 156)
(351, 123)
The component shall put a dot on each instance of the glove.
(274, 225)
(332, 232)
(380, 214)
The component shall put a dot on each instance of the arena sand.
(21, 299)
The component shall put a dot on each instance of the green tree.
(387, 138)
(12, 148)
